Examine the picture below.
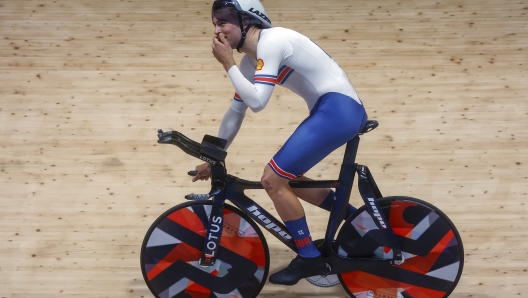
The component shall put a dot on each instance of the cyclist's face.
(227, 25)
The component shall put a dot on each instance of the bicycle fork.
(214, 231)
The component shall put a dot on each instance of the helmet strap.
(243, 31)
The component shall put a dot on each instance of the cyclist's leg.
(320, 197)
(335, 120)
(314, 196)
(290, 210)
(283, 197)
(309, 262)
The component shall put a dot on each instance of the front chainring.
(323, 280)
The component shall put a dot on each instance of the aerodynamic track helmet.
(246, 12)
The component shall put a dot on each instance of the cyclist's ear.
(245, 21)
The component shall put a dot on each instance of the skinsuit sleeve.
(234, 115)
(272, 50)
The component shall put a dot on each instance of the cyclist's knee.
(271, 181)
(267, 180)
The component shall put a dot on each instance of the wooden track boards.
(84, 86)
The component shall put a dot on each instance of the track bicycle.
(390, 247)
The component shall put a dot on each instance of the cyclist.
(279, 56)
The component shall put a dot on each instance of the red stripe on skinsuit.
(280, 171)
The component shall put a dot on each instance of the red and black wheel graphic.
(173, 246)
(430, 243)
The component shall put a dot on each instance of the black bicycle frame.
(228, 187)
(343, 187)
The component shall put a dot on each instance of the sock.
(329, 200)
(299, 230)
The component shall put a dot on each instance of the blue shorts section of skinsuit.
(334, 120)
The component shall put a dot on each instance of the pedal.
(198, 197)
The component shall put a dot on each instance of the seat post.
(343, 190)
(351, 151)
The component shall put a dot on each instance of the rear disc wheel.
(430, 244)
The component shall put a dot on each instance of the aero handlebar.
(211, 149)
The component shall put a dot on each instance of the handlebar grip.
(196, 197)
(192, 173)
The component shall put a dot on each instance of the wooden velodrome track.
(84, 85)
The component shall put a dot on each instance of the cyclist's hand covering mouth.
(222, 51)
